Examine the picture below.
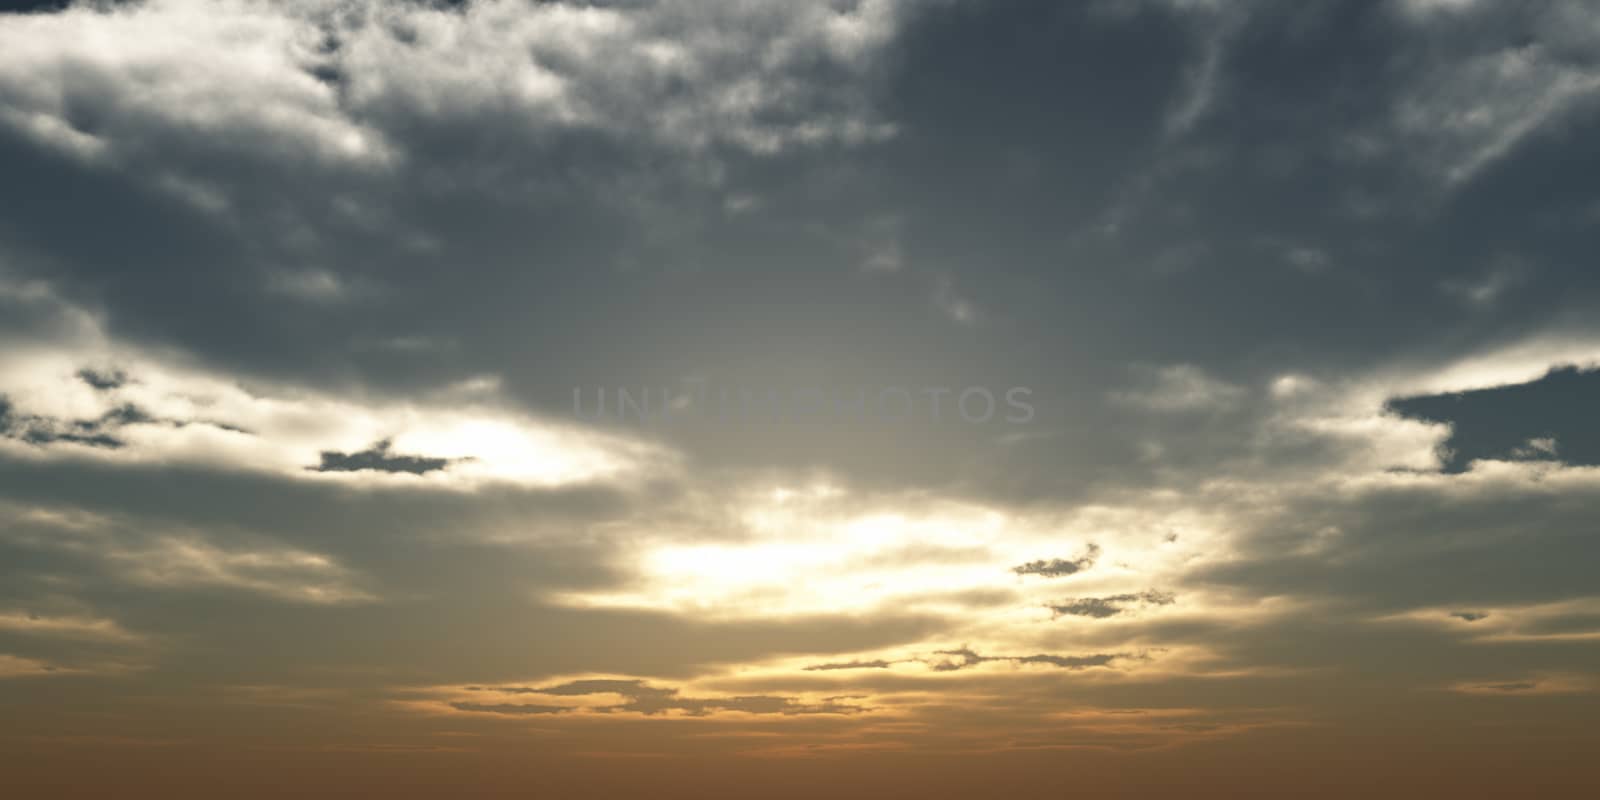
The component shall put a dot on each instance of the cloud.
(12, 666)
(378, 458)
(173, 72)
(36, 430)
(17, 667)
(149, 408)
(181, 562)
(509, 708)
(1113, 605)
(293, 297)
(1071, 662)
(843, 665)
(640, 697)
(111, 379)
(1060, 568)
(953, 304)
(1179, 388)
(1572, 617)
(1544, 684)
(964, 657)
(1537, 447)
(176, 559)
(603, 67)
(68, 627)
(316, 77)
(1464, 113)
(1542, 420)
(1485, 291)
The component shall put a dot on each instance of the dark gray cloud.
(841, 665)
(379, 458)
(1059, 567)
(1071, 662)
(32, 6)
(1516, 686)
(103, 379)
(509, 708)
(100, 431)
(1551, 418)
(105, 430)
(965, 657)
(1110, 606)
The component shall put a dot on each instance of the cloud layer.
(297, 300)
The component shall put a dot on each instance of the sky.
(861, 398)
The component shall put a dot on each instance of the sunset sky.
(858, 399)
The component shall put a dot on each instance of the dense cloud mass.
(304, 305)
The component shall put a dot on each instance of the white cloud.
(124, 84)
(67, 627)
(1509, 364)
(164, 410)
(17, 667)
(1571, 620)
(1179, 387)
(1485, 290)
(1463, 114)
(320, 81)
(820, 549)
(1539, 447)
(289, 574)
(157, 555)
(958, 308)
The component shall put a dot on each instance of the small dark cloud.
(838, 665)
(99, 431)
(378, 458)
(1517, 686)
(964, 657)
(508, 708)
(126, 414)
(1070, 662)
(42, 430)
(1096, 607)
(1103, 607)
(101, 440)
(103, 380)
(1469, 616)
(632, 688)
(1058, 567)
